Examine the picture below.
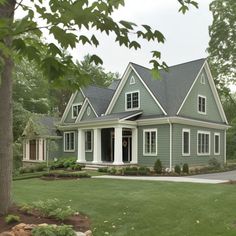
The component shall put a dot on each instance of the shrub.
(50, 230)
(40, 167)
(12, 219)
(23, 170)
(26, 208)
(158, 166)
(67, 175)
(185, 168)
(112, 171)
(214, 164)
(77, 167)
(103, 169)
(131, 171)
(143, 170)
(53, 208)
(177, 169)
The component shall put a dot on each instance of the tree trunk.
(6, 136)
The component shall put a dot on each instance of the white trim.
(149, 131)
(216, 153)
(215, 93)
(204, 132)
(72, 110)
(201, 96)
(64, 143)
(128, 117)
(171, 144)
(93, 108)
(132, 109)
(184, 130)
(121, 85)
(132, 80)
(190, 89)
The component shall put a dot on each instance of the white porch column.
(27, 149)
(81, 146)
(97, 158)
(134, 146)
(118, 153)
(40, 148)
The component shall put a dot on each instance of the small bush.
(143, 170)
(103, 169)
(158, 166)
(40, 167)
(50, 230)
(214, 164)
(26, 208)
(12, 219)
(77, 167)
(112, 171)
(177, 169)
(53, 208)
(185, 168)
(23, 170)
(131, 171)
(67, 175)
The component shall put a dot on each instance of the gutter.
(171, 157)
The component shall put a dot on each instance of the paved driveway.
(229, 175)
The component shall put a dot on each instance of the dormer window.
(132, 100)
(203, 79)
(132, 80)
(201, 104)
(75, 110)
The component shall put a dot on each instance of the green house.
(137, 120)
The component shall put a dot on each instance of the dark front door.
(126, 146)
(33, 149)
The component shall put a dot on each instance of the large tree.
(63, 19)
(222, 45)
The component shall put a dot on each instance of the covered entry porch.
(115, 145)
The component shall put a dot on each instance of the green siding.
(78, 99)
(89, 156)
(190, 107)
(194, 159)
(163, 146)
(147, 103)
(85, 115)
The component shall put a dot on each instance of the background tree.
(62, 19)
(222, 45)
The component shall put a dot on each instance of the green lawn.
(138, 208)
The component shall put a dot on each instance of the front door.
(32, 149)
(126, 146)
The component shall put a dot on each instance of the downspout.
(170, 143)
(225, 148)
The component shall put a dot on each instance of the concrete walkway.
(191, 179)
(229, 175)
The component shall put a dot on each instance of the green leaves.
(134, 44)
(64, 39)
(185, 5)
(97, 60)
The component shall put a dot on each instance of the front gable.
(132, 83)
(203, 89)
(88, 113)
(77, 98)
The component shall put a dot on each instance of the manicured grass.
(139, 208)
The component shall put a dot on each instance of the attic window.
(132, 100)
(88, 111)
(203, 80)
(75, 110)
(132, 80)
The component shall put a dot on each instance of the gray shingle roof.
(99, 97)
(171, 90)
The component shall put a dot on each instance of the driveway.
(229, 175)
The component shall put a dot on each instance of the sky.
(186, 35)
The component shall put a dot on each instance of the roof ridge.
(172, 65)
(97, 86)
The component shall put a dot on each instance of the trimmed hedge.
(67, 175)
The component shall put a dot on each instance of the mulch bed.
(79, 222)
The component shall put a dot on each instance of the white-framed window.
(203, 143)
(88, 140)
(132, 100)
(132, 80)
(150, 142)
(186, 142)
(69, 141)
(216, 143)
(76, 109)
(202, 79)
(202, 104)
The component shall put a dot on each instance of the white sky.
(186, 35)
